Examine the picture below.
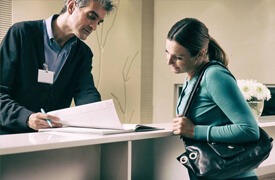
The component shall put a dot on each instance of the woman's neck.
(197, 68)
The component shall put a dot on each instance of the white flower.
(253, 90)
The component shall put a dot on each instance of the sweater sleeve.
(13, 116)
(85, 90)
(241, 125)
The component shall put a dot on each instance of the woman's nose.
(169, 59)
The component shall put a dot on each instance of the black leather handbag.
(209, 160)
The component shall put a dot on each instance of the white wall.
(117, 65)
(245, 29)
(116, 46)
(23, 10)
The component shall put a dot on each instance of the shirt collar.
(49, 26)
(49, 29)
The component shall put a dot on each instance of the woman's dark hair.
(193, 35)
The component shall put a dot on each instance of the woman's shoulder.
(217, 76)
(216, 69)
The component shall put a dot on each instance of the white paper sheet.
(83, 130)
(95, 115)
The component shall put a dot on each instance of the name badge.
(45, 76)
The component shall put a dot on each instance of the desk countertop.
(267, 121)
(29, 142)
(38, 141)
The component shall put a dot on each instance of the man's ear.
(71, 6)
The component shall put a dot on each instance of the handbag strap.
(194, 91)
(197, 84)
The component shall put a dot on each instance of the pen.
(48, 120)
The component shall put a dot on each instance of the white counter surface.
(138, 155)
(28, 142)
(38, 141)
(266, 121)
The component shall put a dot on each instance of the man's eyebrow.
(94, 13)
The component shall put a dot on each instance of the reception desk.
(68, 156)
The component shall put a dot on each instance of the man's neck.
(61, 31)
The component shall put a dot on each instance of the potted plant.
(255, 94)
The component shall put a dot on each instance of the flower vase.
(256, 108)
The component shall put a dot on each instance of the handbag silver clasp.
(183, 160)
(193, 155)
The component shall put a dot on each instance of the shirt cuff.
(202, 132)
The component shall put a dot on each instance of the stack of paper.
(100, 118)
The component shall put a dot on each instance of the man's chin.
(83, 36)
(83, 39)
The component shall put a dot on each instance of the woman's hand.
(183, 126)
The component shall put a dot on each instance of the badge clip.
(46, 67)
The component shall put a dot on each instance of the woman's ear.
(202, 53)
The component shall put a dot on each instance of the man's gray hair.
(108, 5)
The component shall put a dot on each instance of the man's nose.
(94, 25)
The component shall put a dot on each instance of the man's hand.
(38, 121)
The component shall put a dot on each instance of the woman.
(219, 112)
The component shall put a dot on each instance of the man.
(44, 64)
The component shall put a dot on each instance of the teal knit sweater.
(219, 109)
